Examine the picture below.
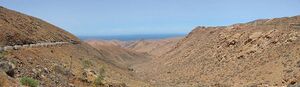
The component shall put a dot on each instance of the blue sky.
(125, 17)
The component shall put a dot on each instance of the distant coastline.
(131, 37)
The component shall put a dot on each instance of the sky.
(126, 17)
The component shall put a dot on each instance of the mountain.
(259, 53)
(34, 52)
(263, 52)
(118, 55)
(156, 47)
(17, 28)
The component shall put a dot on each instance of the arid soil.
(62, 65)
(118, 55)
(153, 47)
(259, 53)
(17, 28)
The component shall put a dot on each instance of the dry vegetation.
(259, 53)
(75, 64)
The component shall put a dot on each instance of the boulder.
(7, 67)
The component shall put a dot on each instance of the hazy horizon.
(132, 17)
(132, 37)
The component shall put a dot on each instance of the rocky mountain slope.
(263, 52)
(153, 47)
(17, 28)
(118, 55)
(38, 53)
(259, 53)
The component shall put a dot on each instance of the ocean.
(131, 37)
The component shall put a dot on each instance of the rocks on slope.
(76, 64)
(258, 53)
(24, 46)
(17, 29)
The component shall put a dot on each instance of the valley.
(260, 53)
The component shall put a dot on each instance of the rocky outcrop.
(7, 67)
(258, 53)
(35, 49)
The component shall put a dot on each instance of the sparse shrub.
(87, 63)
(27, 81)
(14, 62)
(99, 80)
(1, 55)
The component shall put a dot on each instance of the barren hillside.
(264, 52)
(17, 28)
(118, 55)
(153, 47)
(34, 50)
(259, 53)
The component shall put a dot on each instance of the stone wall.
(45, 44)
